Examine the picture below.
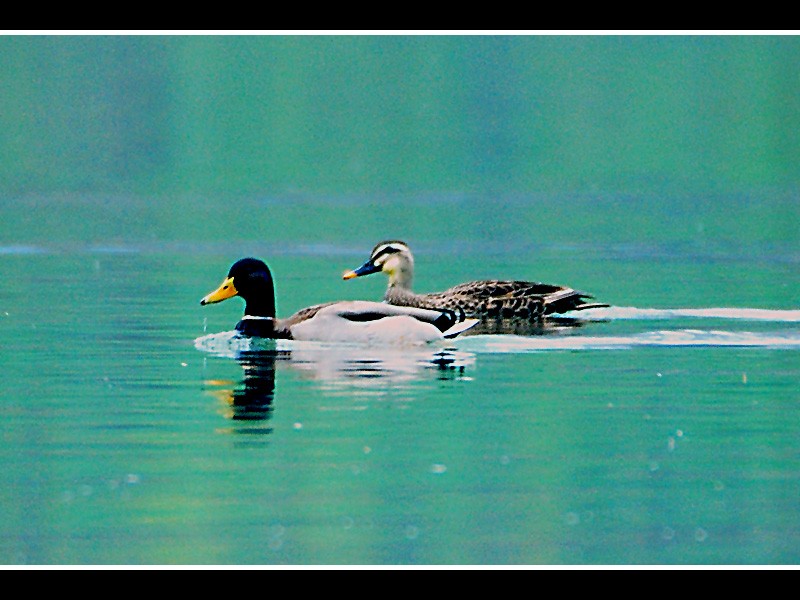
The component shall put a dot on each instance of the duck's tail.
(453, 322)
(459, 327)
(567, 300)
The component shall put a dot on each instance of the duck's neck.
(258, 292)
(259, 316)
(401, 276)
(260, 307)
(260, 296)
(257, 327)
(401, 296)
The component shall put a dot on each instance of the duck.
(346, 321)
(486, 300)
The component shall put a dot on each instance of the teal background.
(310, 139)
(389, 114)
(651, 171)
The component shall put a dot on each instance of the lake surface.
(659, 173)
(661, 431)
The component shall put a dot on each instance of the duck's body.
(485, 300)
(378, 323)
(359, 322)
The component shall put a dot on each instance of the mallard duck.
(351, 321)
(485, 300)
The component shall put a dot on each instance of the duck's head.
(251, 279)
(393, 258)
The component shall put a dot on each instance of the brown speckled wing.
(496, 299)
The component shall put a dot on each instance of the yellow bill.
(223, 292)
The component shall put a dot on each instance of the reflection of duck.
(485, 300)
(361, 373)
(249, 403)
(253, 400)
(371, 322)
(372, 369)
(349, 362)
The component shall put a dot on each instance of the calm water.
(662, 431)
(658, 172)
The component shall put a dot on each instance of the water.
(657, 172)
(138, 431)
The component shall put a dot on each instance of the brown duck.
(485, 300)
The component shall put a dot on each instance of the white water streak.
(615, 313)
(787, 337)
(679, 338)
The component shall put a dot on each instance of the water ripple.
(463, 349)
(614, 313)
(677, 338)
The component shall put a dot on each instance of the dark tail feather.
(591, 305)
(568, 300)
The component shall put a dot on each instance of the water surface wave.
(229, 344)
(742, 314)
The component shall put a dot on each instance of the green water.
(123, 443)
(657, 173)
